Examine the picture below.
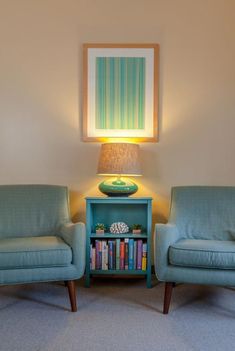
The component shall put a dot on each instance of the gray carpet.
(116, 315)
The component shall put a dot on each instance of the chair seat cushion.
(203, 253)
(32, 252)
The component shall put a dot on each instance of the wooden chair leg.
(72, 295)
(167, 297)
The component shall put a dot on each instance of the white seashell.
(119, 228)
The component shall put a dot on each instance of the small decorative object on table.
(100, 228)
(136, 228)
(119, 227)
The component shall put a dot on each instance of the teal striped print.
(120, 92)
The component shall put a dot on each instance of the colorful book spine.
(117, 254)
(104, 255)
(144, 257)
(135, 253)
(114, 255)
(90, 256)
(122, 255)
(97, 262)
(93, 258)
(100, 254)
(126, 241)
(131, 254)
(139, 254)
(111, 253)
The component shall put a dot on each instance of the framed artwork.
(120, 92)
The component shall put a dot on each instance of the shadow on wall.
(78, 199)
(78, 212)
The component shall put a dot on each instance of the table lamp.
(119, 159)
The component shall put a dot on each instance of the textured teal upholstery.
(38, 241)
(204, 212)
(32, 252)
(32, 210)
(203, 253)
(198, 243)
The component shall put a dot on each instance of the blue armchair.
(38, 241)
(198, 243)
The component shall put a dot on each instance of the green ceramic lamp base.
(118, 187)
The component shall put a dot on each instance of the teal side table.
(108, 210)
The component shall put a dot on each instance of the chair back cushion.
(32, 210)
(204, 212)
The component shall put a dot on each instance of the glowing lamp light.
(119, 159)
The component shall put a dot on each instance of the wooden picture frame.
(120, 92)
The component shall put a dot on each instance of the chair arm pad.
(74, 234)
(165, 235)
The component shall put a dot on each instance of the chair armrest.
(165, 235)
(74, 234)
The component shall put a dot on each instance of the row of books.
(118, 254)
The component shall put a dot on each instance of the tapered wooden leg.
(167, 297)
(72, 295)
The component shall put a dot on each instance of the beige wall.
(41, 90)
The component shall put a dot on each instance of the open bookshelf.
(104, 252)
